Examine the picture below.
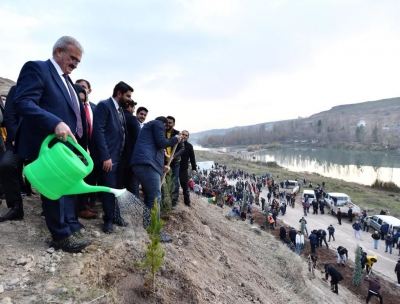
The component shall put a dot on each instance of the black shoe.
(71, 244)
(14, 214)
(119, 221)
(165, 238)
(108, 227)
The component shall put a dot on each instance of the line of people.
(126, 151)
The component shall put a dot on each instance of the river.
(362, 167)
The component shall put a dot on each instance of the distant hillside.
(5, 85)
(372, 123)
(194, 136)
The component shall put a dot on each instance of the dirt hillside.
(212, 259)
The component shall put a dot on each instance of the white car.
(337, 199)
(378, 220)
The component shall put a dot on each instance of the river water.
(362, 167)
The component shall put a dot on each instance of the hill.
(5, 85)
(374, 124)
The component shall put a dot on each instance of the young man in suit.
(48, 104)
(132, 131)
(11, 164)
(107, 149)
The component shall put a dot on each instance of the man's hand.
(194, 171)
(166, 169)
(62, 131)
(107, 165)
(179, 136)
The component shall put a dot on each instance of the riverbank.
(363, 196)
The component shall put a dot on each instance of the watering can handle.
(45, 147)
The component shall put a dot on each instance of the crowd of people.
(126, 150)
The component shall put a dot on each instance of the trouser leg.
(11, 176)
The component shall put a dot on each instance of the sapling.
(357, 277)
(154, 253)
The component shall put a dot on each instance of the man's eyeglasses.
(73, 58)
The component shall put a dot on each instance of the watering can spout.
(81, 187)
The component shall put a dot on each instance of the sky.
(217, 63)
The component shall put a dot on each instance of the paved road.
(344, 235)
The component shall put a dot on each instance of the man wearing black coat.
(11, 164)
(132, 131)
(292, 235)
(336, 277)
(187, 155)
(282, 233)
(175, 164)
(313, 240)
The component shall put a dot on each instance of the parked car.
(310, 194)
(337, 199)
(292, 184)
(377, 221)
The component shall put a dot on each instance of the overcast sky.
(216, 63)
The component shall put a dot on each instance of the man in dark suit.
(108, 146)
(48, 104)
(94, 176)
(11, 164)
(132, 131)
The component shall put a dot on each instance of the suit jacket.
(10, 118)
(150, 145)
(107, 136)
(132, 131)
(43, 101)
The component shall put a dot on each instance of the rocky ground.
(212, 259)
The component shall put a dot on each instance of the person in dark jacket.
(187, 155)
(282, 233)
(318, 234)
(292, 235)
(339, 216)
(397, 272)
(315, 206)
(132, 132)
(376, 237)
(373, 289)
(342, 255)
(350, 214)
(331, 231)
(336, 277)
(384, 230)
(363, 259)
(313, 240)
(11, 165)
(357, 229)
(389, 242)
(147, 163)
(175, 164)
(322, 238)
(322, 206)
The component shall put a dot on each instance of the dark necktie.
(122, 122)
(88, 119)
(79, 128)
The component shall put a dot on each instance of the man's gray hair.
(64, 41)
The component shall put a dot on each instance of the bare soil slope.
(213, 259)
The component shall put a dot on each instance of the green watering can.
(58, 171)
